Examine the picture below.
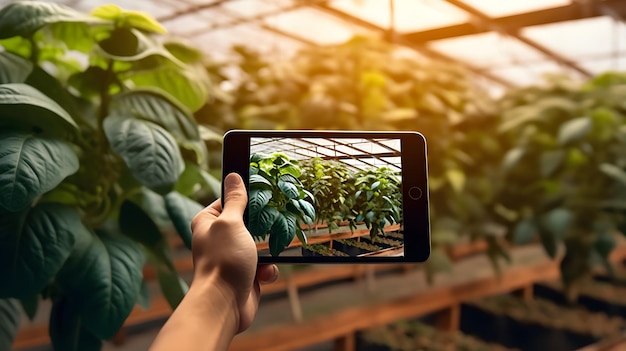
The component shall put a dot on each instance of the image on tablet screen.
(326, 197)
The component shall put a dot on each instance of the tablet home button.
(415, 193)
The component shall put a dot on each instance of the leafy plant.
(377, 200)
(367, 84)
(278, 202)
(563, 179)
(100, 152)
(332, 184)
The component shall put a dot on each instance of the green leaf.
(136, 224)
(524, 231)
(289, 189)
(291, 169)
(9, 322)
(66, 332)
(126, 18)
(149, 151)
(256, 205)
(302, 237)
(24, 107)
(551, 161)
(103, 277)
(187, 86)
(30, 305)
(34, 245)
(613, 172)
(262, 225)
(574, 129)
(143, 299)
(282, 233)
(259, 182)
(182, 210)
(456, 178)
(172, 286)
(183, 52)
(23, 18)
(308, 208)
(557, 222)
(157, 106)
(30, 167)
(511, 159)
(13, 68)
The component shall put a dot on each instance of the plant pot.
(592, 303)
(509, 332)
(348, 249)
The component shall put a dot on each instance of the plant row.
(286, 194)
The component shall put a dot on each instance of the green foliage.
(92, 151)
(332, 185)
(10, 321)
(574, 135)
(367, 84)
(278, 202)
(377, 200)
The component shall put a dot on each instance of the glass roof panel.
(410, 15)
(601, 65)
(500, 8)
(315, 26)
(251, 8)
(522, 75)
(580, 38)
(487, 50)
(198, 21)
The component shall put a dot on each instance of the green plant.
(278, 202)
(100, 152)
(365, 84)
(563, 179)
(331, 184)
(377, 200)
(360, 244)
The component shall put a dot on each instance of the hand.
(224, 252)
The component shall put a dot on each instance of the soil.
(324, 250)
(549, 314)
(360, 244)
(405, 336)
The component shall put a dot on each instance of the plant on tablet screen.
(278, 202)
(329, 181)
(377, 200)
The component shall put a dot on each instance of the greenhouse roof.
(508, 42)
(357, 154)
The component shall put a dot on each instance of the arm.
(224, 295)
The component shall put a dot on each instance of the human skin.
(224, 295)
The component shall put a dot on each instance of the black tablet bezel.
(236, 158)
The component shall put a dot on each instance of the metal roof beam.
(514, 23)
(403, 40)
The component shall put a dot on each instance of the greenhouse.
(112, 123)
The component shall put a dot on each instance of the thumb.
(235, 197)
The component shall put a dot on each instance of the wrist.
(210, 290)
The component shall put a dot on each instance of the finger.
(235, 197)
(267, 273)
(207, 215)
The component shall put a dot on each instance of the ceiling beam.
(515, 23)
(486, 21)
(403, 40)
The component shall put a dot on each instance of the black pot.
(348, 249)
(591, 303)
(509, 332)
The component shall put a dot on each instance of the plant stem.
(34, 51)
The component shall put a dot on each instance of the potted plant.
(99, 155)
(536, 324)
(377, 200)
(278, 202)
(330, 183)
(563, 178)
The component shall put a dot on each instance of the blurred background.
(523, 104)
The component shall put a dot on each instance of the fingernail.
(232, 180)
